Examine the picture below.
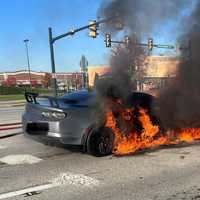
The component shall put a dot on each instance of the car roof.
(78, 95)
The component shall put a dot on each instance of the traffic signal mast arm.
(70, 33)
(128, 42)
(164, 46)
(73, 31)
(117, 42)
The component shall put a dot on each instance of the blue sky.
(21, 19)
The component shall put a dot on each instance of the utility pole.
(28, 62)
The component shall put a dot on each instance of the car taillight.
(56, 115)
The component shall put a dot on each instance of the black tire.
(100, 142)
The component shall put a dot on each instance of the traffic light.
(150, 44)
(93, 29)
(108, 40)
(118, 22)
(127, 41)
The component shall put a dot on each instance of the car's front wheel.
(100, 142)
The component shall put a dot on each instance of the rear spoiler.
(31, 97)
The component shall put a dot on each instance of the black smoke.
(180, 102)
(140, 16)
(121, 80)
(134, 17)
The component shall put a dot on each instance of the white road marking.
(63, 179)
(75, 179)
(20, 159)
(2, 146)
(27, 190)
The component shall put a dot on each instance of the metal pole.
(27, 55)
(52, 63)
(53, 39)
(190, 50)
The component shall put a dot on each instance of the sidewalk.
(12, 103)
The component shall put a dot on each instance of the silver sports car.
(70, 119)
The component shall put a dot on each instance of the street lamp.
(27, 55)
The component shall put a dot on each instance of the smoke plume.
(180, 102)
(140, 16)
(121, 80)
(134, 17)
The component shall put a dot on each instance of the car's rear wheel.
(100, 142)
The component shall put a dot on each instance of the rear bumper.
(53, 130)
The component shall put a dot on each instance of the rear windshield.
(43, 101)
(82, 98)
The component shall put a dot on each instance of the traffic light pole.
(53, 39)
(52, 63)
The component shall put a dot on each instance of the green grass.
(12, 97)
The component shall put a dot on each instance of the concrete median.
(10, 129)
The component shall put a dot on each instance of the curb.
(10, 135)
(10, 126)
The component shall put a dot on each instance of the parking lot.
(32, 170)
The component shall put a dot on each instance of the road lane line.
(2, 146)
(17, 159)
(63, 179)
(7, 135)
(75, 179)
(27, 190)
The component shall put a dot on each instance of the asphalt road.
(58, 173)
(31, 170)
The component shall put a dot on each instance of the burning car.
(74, 119)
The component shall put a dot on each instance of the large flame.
(149, 136)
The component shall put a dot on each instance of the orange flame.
(149, 137)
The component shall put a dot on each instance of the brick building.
(22, 77)
(68, 80)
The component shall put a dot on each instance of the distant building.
(67, 80)
(84, 69)
(95, 71)
(83, 64)
(157, 70)
(70, 80)
(22, 77)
